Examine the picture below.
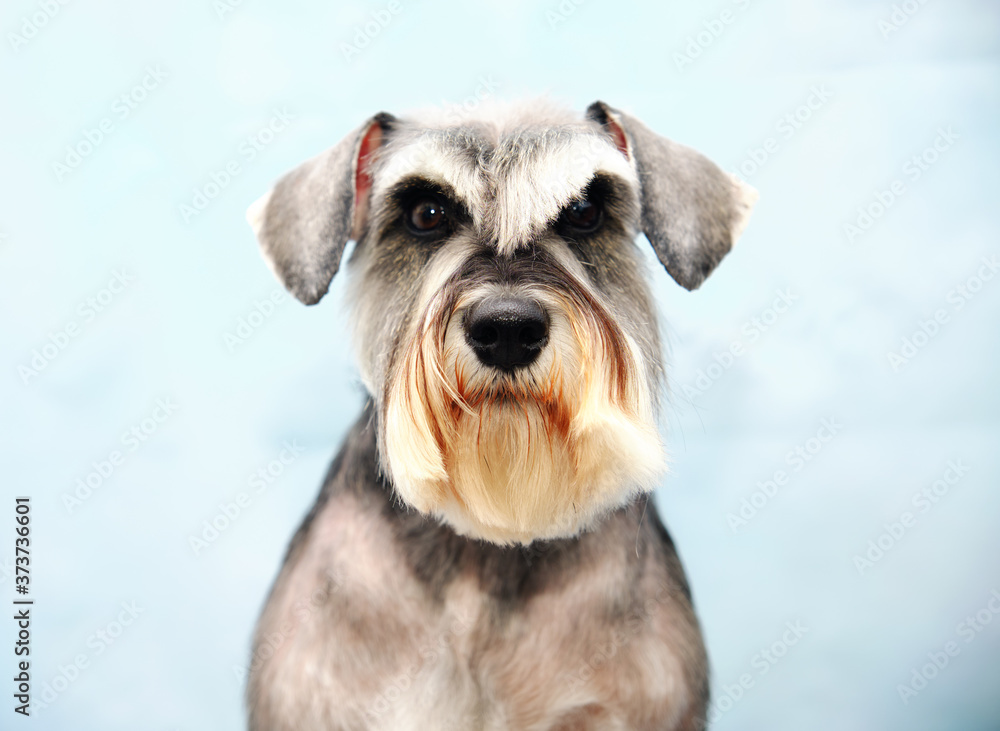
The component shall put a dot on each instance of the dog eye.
(583, 215)
(425, 215)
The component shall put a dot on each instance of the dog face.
(504, 328)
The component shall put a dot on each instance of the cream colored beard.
(543, 455)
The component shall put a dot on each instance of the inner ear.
(618, 135)
(371, 141)
(601, 113)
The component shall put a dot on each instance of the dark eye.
(425, 215)
(583, 215)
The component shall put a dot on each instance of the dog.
(483, 553)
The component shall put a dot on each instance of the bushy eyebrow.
(416, 184)
(443, 157)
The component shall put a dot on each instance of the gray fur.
(308, 217)
(689, 206)
(385, 618)
(333, 618)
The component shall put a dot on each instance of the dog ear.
(306, 219)
(692, 212)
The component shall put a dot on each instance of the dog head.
(504, 327)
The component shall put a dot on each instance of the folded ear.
(692, 212)
(306, 219)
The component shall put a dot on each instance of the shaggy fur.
(482, 555)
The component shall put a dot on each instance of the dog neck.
(436, 555)
(409, 597)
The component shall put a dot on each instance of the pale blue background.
(163, 337)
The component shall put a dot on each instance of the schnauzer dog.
(482, 554)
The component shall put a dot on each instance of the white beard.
(542, 453)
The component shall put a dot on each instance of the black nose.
(507, 332)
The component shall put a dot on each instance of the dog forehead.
(536, 175)
(514, 171)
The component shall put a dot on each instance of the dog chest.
(372, 640)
